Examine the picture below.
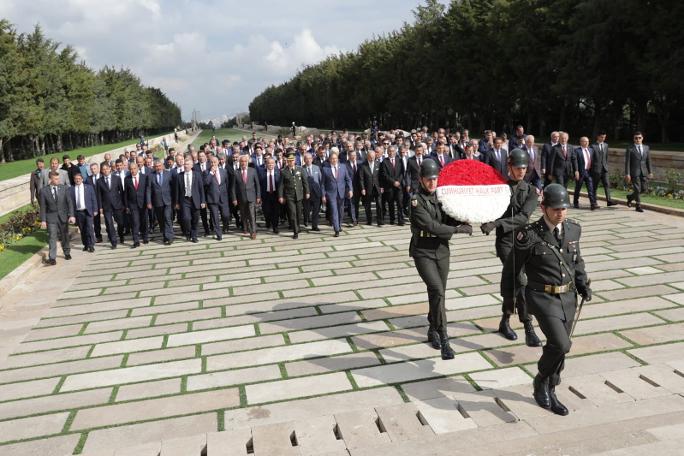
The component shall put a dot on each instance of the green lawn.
(17, 168)
(230, 134)
(649, 199)
(18, 252)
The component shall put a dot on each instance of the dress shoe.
(433, 338)
(315, 228)
(187, 238)
(167, 242)
(98, 240)
(113, 246)
(594, 207)
(135, 245)
(276, 231)
(576, 206)
(295, 236)
(556, 406)
(355, 223)
(244, 233)
(629, 200)
(91, 249)
(194, 240)
(639, 209)
(219, 238)
(67, 256)
(541, 392)
(401, 224)
(447, 352)
(85, 249)
(531, 339)
(252, 237)
(51, 262)
(337, 234)
(146, 241)
(121, 240)
(505, 328)
(612, 203)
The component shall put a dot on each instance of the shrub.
(20, 224)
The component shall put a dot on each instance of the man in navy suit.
(441, 156)
(269, 180)
(391, 179)
(110, 200)
(337, 185)
(190, 198)
(534, 170)
(163, 199)
(217, 185)
(258, 160)
(583, 164)
(497, 158)
(84, 202)
(560, 161)
(371, 190)
(92, 181)
(637, 169)
(312, 206)
(138, 201)
(201, 167)
(246, 192)
(354, 169)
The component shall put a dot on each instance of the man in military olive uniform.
(524, 201)
(292, 190)
(432, 229)
(549, 251)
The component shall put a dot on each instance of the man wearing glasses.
(637, 169)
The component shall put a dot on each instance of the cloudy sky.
(209, 55)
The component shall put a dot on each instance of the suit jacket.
(390, 174)
(370, 180)
(217, 193)
(255, 162)
(557, 164)
(198, 168)
(413, 177)
(578, 162)
(599, 163)
(52, 211)
(35, 185)
(355, 176)
(321, 163)
(534, 174)
(456, 152)
(164, 194)
(122, 175)
(89, 199)
(246, 192)
(263, 182)
(545, 157)
(138, 198)
(500, 165)
(315, 181)
(336, 187)
(196, 192)
(110, 199)
(63, 177)
(635, 163)
(447, 159)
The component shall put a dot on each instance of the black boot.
(541, 392)
(531, 339)
(556, 406)
(447, 352)
(433, 338)
(505, 328)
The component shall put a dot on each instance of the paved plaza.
(317, 347)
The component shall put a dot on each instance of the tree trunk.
(2, 152)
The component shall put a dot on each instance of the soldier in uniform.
(524, 201)
(432, 229)
(292, 190)
(549, 251)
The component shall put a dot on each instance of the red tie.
(244, 176)
(135, 182)
(565, 153)
(441, 159)
(392, 161)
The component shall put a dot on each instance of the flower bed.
(19, 224)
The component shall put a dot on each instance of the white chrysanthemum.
(474, 204)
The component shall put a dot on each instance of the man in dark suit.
(534, 171)
(560, 162)
(138, 202)
(190, 198)
(217, 187)
(497, 158)
(56, 211)
(441, 156)
(92, 181)
(84, 201)
(246, 192)
(162, 196)
(413, 178)
(354, 169)
(371, 190)
(35, 183)
(391, 179)
(269, 180)
(292, 191)
(201, 168)
(337, 185)
(582, 161)
(321, 159)
(546, 156)
(599, 166)
(110, 200)
(312, 206)
(637, 169)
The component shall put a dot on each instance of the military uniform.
(431, 230)
(551, 291)
(294, 186)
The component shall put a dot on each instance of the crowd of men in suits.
(291, 182)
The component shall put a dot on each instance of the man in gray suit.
(246, 192)
(54, 166)
(599, 166)
(637, 169)
(56, 211)
(312, 206)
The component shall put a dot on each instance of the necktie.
(587, 158)
(188, 190)
(135, 182)
(334, 172)
(641, 152)
(54, 193)
(441, 159)
(159, 179)
(354, 167)
(371, 167)
(392, 161)
(420, 160)
(565, 152)
(556, 234)
(109, 184)
(272, 182)
(244, 176)
(532, 154)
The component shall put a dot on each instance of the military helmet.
(429, 169)
(556, 197)
(519, 158)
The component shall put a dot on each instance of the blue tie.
(159, 178)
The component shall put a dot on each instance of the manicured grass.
(649, 199)
(17, 168)
(18, 252)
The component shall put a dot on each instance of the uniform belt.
(551, 289)
(426, 234)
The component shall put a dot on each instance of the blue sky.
(209, 55)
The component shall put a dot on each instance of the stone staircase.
(633, 411)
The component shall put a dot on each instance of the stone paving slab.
(156, 344)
